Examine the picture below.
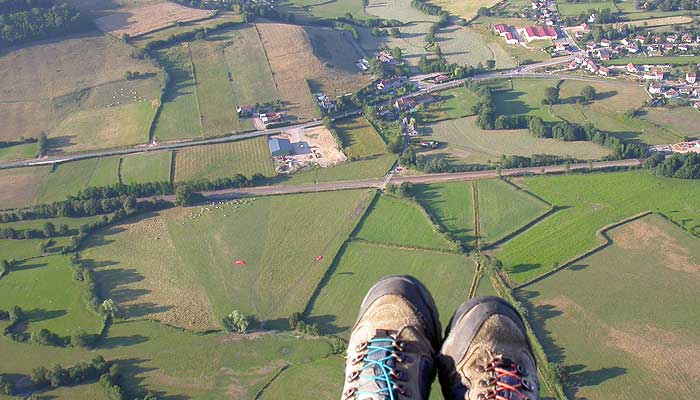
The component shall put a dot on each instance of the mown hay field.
(661, 21)
(452, 204)
(44, 83)
(570, 9)
(641, 349)
(323, 57)
(466, 141)
(503, 209)
(454, 103)
(179, 116)
(70, 178)
(149, 167)
(160, 359)
(589, 203)
(680, 121)
(21, 186)
(446, 275)
(246, 157)
(396, 221)
(371, 167)
(178, 266)
(138, 21)
(163, 34)
(214, 93)
(607, 112)
(466, 9)
(359, 138)
(49, 295)
(249, 71)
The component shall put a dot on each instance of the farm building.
(280, 147)
(540, 33)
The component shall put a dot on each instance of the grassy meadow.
(359, 138)
(452, 204)
(643, 349)
(18, 152)
(149, 167)
(454, 103)
(395, 221)
(70, 178)
(246, 157)
(589, 203)
(180, 265)
(21, 186)
(447, 276)
(371, 167)
(503, 209)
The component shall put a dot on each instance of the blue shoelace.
(380, 358)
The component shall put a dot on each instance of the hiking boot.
(487, 355)
(392, 348)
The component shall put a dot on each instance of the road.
(229, 194)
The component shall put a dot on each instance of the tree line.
(23, 21)
(681, 166)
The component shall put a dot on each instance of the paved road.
(229, 194)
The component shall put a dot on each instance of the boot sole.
(414, 292)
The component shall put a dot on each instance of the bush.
(237, 322)
(45, 336)
(7, 387)
(83, 339)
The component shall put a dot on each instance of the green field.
(359, 138)
(18, 152)
(373, 167)
(249, 70)
(21, 186)
(179, 114)
(467, 143)
(178, 266)
(641, 349)
(52, 299)
(681, 121)
(503, 209)
(525, 97)
(149, 167)
(246, 157)
(447, 276)
(72, 177)
(589, 203)
(453, 206)
(327, 381)
(396, 221)
(567, 9)
(454, 103)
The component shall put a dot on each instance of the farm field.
(313, 9)
(468, 143)
(149, 167)
(61, 306)
(160, 359)
(359, 138)
(452, 204)
(447, 276)
(138, 21)
(72, 177)
(568, 9)
(303, 60)
(38, 95)
(213, 89)
(524, 97)
(395, 221)
(249, 71)
(163, 34)
(646, 348)
(18, 152)
(607, 112)
(631, 13)
(660, 21)
(246, 157)
(21, 186)
(672, 60)
(180, 265)
(503, 209)
(464, 8)
(681, 121)
(589, 203)
(179, 117)
(327, 383)
(372, 167)
(454, 103)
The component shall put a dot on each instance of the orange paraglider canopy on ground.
(240, 262)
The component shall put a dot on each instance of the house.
(691, 77)
(391, 83)
(626, 42)
(362, 65)
(655, 88)
(604, 71)
(683, 47)
(561, 44)
(540, 33)
(684, 90)
(633, 48)
(672, 38)
(632, 69)
(654, 74)
(671, 93)
(386, 57)
(579, 60)
(280, 147)
(245, 111)
(326, 103)
(592, 66)
(511, 39)
(440, 78)
(604, 54)
(271, 118)
(668, 47)
(578, 35)
(592, 18)
(584, 27)
(605, 43)
(501, 29)
(590, 45)
(687, 38)
(405, 103)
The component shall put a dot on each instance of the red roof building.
(501, 29)
(539, 33)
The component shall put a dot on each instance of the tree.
(490, 64)
(58, 376)
(40, 377)
(395, 32)
(405, 189)
(16, 314)
(236, 321)
(588, 93)
(484, 12)
(42, 145)
(185, 196)
(5, 267)
(294, 319)
(537, 127)
(110, 308)
(82, 339)
(49, 229)
(551, 95)
(7, 387)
